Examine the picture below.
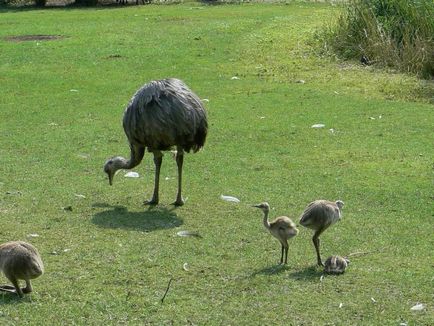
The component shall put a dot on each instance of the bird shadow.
(10, 298)
(154, 218)
(271, 270)
(309, 273)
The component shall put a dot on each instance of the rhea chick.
(336, 264)
(20, 261)
(318, 216)
(282, 228)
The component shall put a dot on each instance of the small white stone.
(131, 174)
(318, 125)
(230, 198)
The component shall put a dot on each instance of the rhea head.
(111, 166)
(265, 207)
(340, 204)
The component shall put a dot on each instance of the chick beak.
(110, 176)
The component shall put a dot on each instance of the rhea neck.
(266, 223)
(136, 157)
(120, 162)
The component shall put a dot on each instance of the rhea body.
(318, 216)
(162, 115)
(282, 228)
(20, 261)
(336, 264)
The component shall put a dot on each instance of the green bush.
(395, 33)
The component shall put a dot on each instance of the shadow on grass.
(11, 298)
(154, 218)
(311, 273)
(272, 270)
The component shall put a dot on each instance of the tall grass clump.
(394, 33)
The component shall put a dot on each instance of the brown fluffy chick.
(282, 228)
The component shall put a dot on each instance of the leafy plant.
(395, 33)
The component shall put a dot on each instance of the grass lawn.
(109, 259)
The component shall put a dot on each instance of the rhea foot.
(26, 290)
(179, 202)
(151, 202)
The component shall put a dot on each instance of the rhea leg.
(316, 243)
(281, 255)
(286, 255)
(16, 285)
(158, 159)
(179, 162)
(28, 287)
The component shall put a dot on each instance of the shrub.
(395, 33)
(86, 2)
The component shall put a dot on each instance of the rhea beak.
(110, 176)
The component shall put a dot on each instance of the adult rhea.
(163, 114)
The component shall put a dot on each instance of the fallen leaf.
(235, 78)
(340, 305)
(80, 196)
(185, 267)
(33, 235)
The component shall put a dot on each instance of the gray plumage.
(20, 261)
(318, 216)
(161, 115)
(336, 264)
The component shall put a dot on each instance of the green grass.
(109, 260)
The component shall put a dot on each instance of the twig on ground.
(167, 290)
(361, 253)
